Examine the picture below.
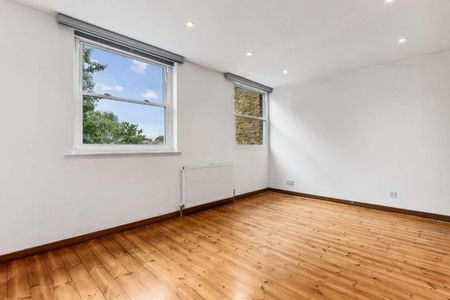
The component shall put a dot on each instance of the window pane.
(248, 102)
(115, 122)
(249, 131)
(109, 73)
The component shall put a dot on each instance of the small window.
(124, 101)
(250, 115)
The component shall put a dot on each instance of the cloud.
(138, 66)
(109, 87)
(150, 94)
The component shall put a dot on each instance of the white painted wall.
(45, 196)
(360, 134)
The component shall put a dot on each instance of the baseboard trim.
(82, 238)
(222, 202)
(368, 205)
(89, 236)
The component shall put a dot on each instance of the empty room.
(225, 149)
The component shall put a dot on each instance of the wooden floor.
(269, 246)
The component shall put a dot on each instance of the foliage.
(104, 127)
(159, 140)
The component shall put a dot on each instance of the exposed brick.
(248, 102)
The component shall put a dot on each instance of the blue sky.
(125, 77)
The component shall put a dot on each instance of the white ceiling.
(309, 38)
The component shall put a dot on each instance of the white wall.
(360, 134)
(45, 196)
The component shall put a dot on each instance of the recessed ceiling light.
(249, 54)
(285, 71)
(388, 1)
(402, 40)
(190, 24)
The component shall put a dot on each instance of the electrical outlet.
(393, 194)
(290, 182)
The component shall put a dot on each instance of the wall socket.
(290, 182)
(393, 194)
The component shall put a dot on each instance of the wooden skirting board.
(368, 205)
(108, 231)
(81, 238)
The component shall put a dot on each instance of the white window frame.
(169, 105)
(263, 118)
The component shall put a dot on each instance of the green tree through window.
(104, 127)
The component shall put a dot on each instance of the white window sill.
(121, 152)
(250, 147)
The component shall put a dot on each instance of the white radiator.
(201, 184)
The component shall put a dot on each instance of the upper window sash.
(82, 42)
(264, 94)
